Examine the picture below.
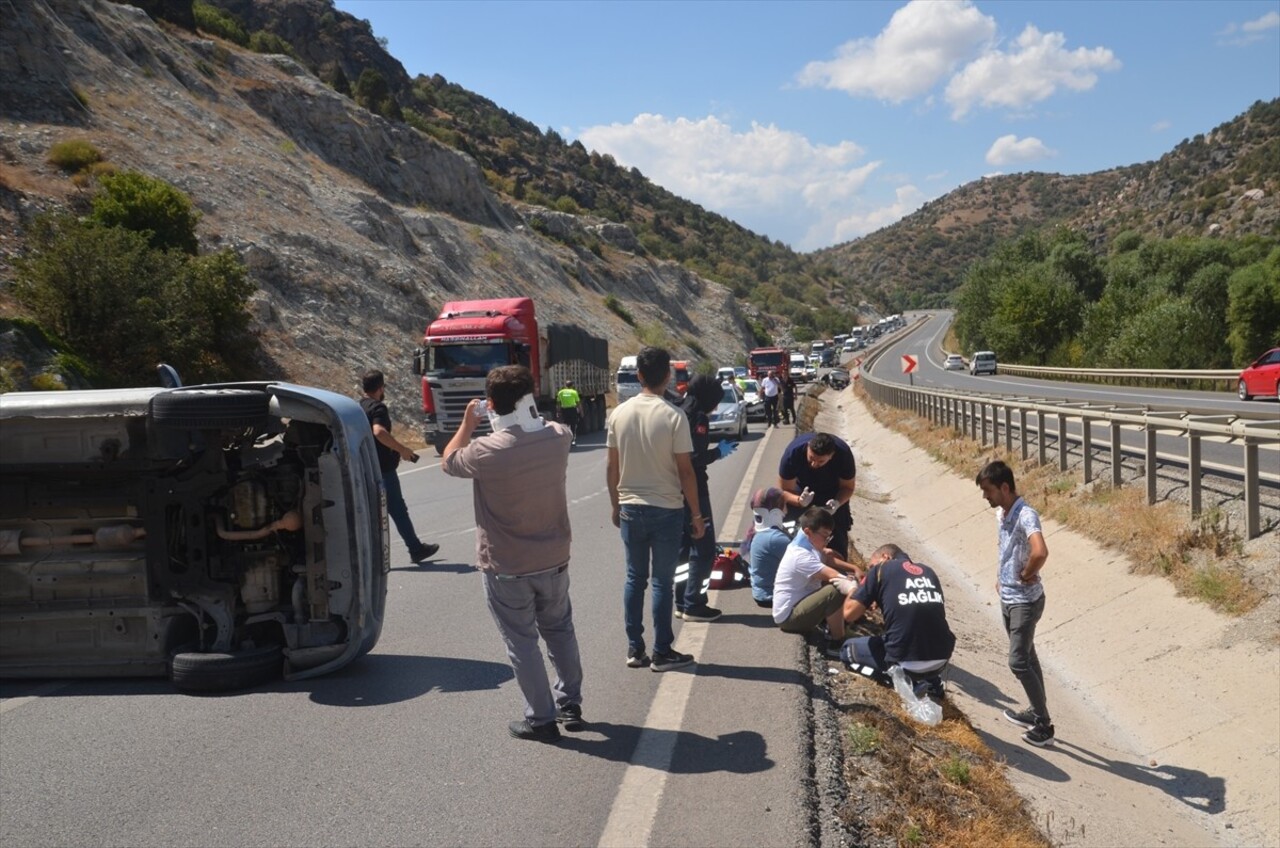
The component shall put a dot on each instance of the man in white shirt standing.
(650, 477)
(770, 388)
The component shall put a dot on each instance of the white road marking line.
(635, 807)
(12, 704)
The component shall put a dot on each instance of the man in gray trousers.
(522, 544)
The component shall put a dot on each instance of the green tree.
(149, 206)
(373, 93)
(98, 287)
(1253, 310)
(126, 306)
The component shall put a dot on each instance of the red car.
(1262, 378)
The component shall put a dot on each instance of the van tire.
(211, 409)
(215, 671)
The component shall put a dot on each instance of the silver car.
(729, 418)
(221, 535)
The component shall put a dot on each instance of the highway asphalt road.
(409, 745)
(925, 343)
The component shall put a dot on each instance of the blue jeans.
(398, 511)
(650, 536)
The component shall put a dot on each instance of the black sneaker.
(570, 715)
(832, 649)
(677, 612)
(637, 658)
(669, 660)
(1025, 718)
(702, 613)
(1041, 735)
(765, 604)
(534, 732)
(423, 552)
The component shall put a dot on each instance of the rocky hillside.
(355, 228)
(1226, 181)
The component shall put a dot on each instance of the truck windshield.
(767, 360)
(467, 359)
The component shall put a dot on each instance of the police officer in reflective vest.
(569, 406)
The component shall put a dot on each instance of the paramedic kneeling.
(916, 635)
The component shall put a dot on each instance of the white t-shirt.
(648, 433)
(769, 386)
(797, 577)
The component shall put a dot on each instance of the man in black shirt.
(817, 469)
(390, 452)
(916, 635)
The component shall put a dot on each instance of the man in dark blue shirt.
(916, 634)
(818, 469)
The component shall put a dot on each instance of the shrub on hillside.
(149, 206)
(219, 22)
(268, 42)
(74, 154)
(126, 305)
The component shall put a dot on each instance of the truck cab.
(470, 337)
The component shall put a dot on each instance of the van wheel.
(211, 409)
(214, 671)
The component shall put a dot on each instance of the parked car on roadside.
(955, 362)
(726, 374)
(220, 534)
(729, 418)
(982, 362)
(1262, 378)
(755, 401)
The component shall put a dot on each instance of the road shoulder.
(1167, 729)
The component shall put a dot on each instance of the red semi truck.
(471, 336)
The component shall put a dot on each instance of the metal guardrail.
(1106, 375)
(977, 414)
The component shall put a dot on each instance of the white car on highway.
(955, 362)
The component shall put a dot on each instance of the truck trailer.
(472, 336)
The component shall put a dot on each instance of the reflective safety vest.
(567, 398)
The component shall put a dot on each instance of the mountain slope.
(1226, 181)
(354, 228)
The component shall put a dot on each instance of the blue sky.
(814, 123)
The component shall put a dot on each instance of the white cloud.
(1253, 30)
(923, 42)
(908, 199)
(1033, 71)
(770, 180)
(1161, 125)
(1010, 150)
(1271, 20)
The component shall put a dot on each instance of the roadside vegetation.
(1204, 559)
(1184, 303)
(124, 288)
(910, 784)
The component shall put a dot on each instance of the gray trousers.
(524, 608)
(1020, 623)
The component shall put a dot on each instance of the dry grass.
(927, 786)
(1203, 559)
